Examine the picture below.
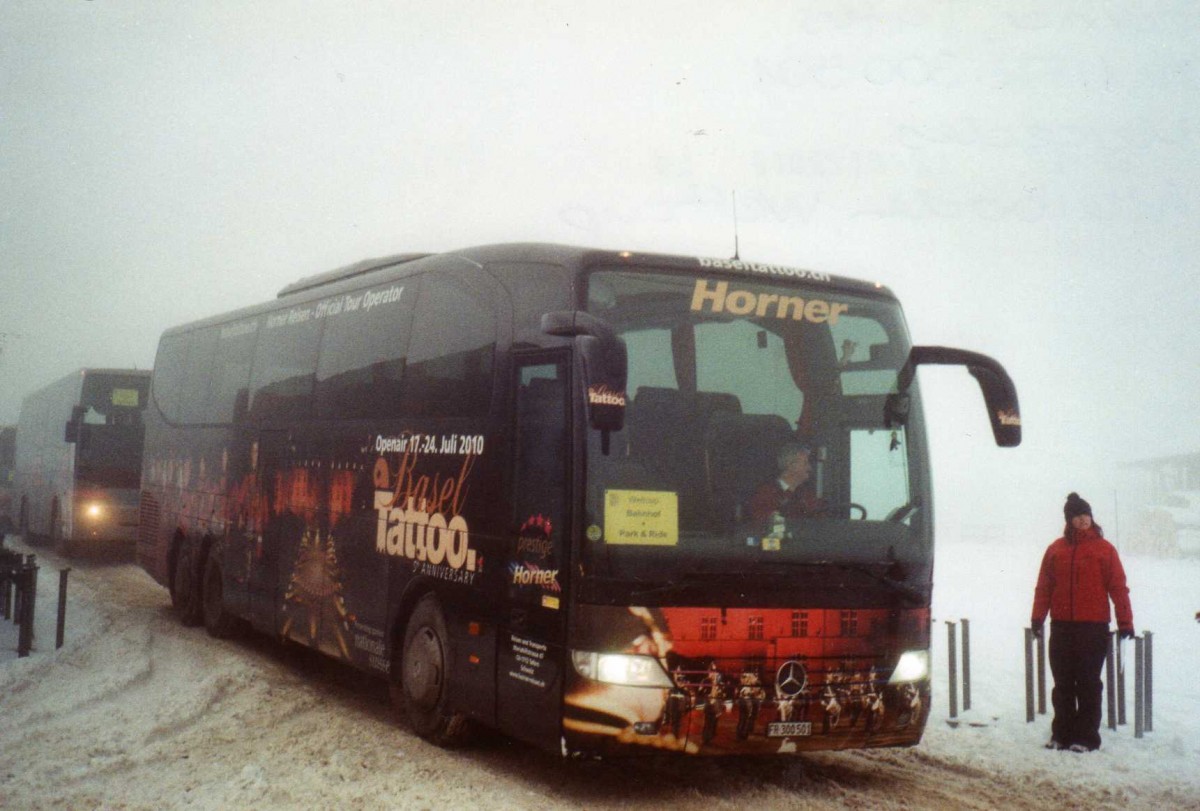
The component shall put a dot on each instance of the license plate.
(789, 729)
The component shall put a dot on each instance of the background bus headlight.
(94, 511)
(913, 666)
(621, 668)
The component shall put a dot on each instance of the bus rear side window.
(169, 369)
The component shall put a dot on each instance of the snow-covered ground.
(136, 712)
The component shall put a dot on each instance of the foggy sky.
(1024, 177)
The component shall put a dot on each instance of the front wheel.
(423, 686)
(218, 621)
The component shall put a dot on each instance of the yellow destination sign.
(641, 517)
(125, 397)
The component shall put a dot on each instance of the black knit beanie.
(1076, 506)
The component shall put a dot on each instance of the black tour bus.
(521, 484)
(79, 460)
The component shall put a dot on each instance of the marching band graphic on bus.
(752, 680)
(604, 502)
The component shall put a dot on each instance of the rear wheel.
(184, 597)
(217, 619)
(423, 686)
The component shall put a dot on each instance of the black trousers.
(1077, 651)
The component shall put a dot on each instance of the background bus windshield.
(755, 431)
(111, 432)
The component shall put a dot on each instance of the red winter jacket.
(1077, 579)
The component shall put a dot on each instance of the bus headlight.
(621, 668)
(94, 511)
(913, 666)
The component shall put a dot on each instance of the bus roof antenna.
(735, 227)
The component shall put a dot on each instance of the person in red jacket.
(1080, 573)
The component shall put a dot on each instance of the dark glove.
(1126, 633)
(1036, 627)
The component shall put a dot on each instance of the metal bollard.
(1138, 707)
(966, 663)
(31, 560)
(1028, 675)
(952, 656)
(1120, 682)
(28, 580)
(1148, 683)
(62, 607)
(1041, 673)
(1110, 679)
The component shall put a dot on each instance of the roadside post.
(1139, 706)
(1148, 686)
(1110, 678)
(1041, 672)
(953, 662)
(62, 606)
(1028, 675)
(1120, 681)
(1030, 638)
(27, 592)
(966, 663)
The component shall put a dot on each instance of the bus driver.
(788, 494)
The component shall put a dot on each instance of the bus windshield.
(109, 445)
(755, 436)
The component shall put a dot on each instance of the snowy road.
(138, 712)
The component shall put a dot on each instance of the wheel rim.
(423, 668)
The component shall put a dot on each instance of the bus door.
(532, 638)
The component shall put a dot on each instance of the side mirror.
(999, 393)
(605, 364)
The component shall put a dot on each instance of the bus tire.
(184, 596)
(218, 621)
(423, 689)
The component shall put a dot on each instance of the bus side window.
(231, 374)
(281, 384)
(195, 393)
(361, 369)
(451, 355)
